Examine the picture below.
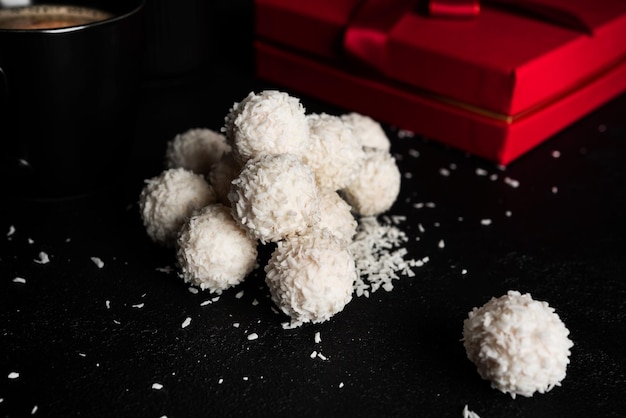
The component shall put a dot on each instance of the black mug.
(69, 80)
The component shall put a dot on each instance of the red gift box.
(495, 84)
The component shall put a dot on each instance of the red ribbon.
(367, 33)
(454, 8)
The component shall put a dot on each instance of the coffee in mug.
(49, 17)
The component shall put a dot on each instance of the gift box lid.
(507, 60)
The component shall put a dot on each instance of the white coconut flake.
(107, 303)
(485, 222)
(340, 385)
(139, 305)
(11, 231)
(193, 290)
(206, 302)
(239, 294)
(157, 386)
(469, 414)
(98, 262)
(444, 172)
(481, 172)
(19, 280)
(236, 324)
(556, 154)
(43, 258)
(511, 182)
(166, 269)
(253, 336)
(318, 338)
(322, 356)
(186, 322)
(441, 244)
(313, 354)
(555, 190)
(34, 410)
(13, 375)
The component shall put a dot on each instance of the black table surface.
(79, 340)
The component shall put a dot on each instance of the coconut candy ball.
(222, 173)
(196, 150)
(275, 196)
(336, 154)
(377, 184)
(213, 252)
(167, 200)
(519, 344)
(310, 277)
(369, 131)
(271, 122)
(336, 217)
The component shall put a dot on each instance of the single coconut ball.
(213, 252)
(196, 150)
(271, 122)
(336, 154)
(167, 200)
(336, 217)
(310, 277)
(377, 185)
(222, 173)
(369, 131)
(275, 196)
(519, 344)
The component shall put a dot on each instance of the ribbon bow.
(367, 34)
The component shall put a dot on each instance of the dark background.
(91, 342)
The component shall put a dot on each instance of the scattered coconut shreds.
(485, 222)
(313, 354)
(340, 385)
(441, 244)
(379, 255)
(469, 414)
(239, 294)
(34, 410)
(13, 375)
(193, 290)
(107, 303)
(98, 262)
(186, 322)
(253, 336)
(11, 231)
(322, 356)
(43, 258)
(206, 302)
(157, 386)
(19, 280)
(318, 338)
(139, 305)
(166, 269)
